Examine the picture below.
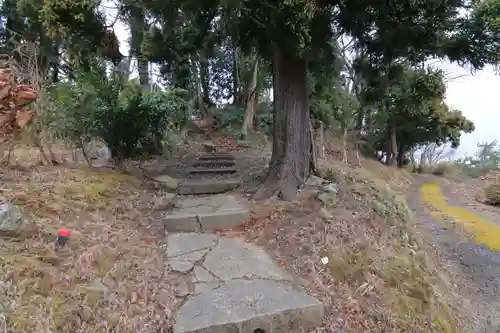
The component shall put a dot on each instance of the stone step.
(216, 156)
(206, 214)
(234, 286)
(227, 170)
(207, 186)
(213, 163)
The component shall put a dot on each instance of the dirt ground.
(378, 278)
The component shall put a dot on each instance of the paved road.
(473, 268)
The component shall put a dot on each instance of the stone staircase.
(226, 285)
(210, 174)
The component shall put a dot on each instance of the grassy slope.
(108, 278)
(380, 276)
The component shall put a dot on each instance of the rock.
(13, 223)
(331, 188)
(315, 181)
(325, 213)
(168, 182)
(208, 147)
(102, 154)
(328, 194)
(181, 288)
(324, 198)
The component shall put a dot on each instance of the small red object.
(63, 232)
(62, 237)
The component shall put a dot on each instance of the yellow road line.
(485, 232)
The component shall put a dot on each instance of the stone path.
(226, 285)
(230, 286)
(206, 213)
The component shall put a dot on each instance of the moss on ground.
(483, 231)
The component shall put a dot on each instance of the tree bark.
(138, 25)
(199, 92)
(205, 79)
(401, 156)
(250, 98)
(344, 144)
(291, 158)
(237, 98)
(393, 146)
(360, 117)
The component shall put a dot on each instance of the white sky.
(475, 95)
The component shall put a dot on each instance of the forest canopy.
(358, 67)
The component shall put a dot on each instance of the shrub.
(130, 122)
(230, 117)
(446, 169)
(492, 193)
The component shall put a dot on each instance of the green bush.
(230, 117)
(130, 122)
(492, 193)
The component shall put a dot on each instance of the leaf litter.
(108, 278)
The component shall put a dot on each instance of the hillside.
(378, 275)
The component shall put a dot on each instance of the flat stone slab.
(225, 261)
(207, 186)
(216, 156)
(206, 214)
(185, 249)
(169, 183)
(243, 306)
(213, 163)
(216, 170)
(238, 288)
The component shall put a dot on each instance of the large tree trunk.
(199, 92)
(237, 98)
(250, 98)
(290, 161)
(138, 25)
(393, 146)
(401, 156)
(205, 79)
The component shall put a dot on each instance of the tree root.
(286, 188)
